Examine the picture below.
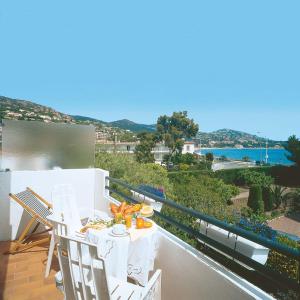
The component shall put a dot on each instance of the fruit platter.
(126, 213)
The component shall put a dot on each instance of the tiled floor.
(22, 275)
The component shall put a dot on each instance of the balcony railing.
(278, 278)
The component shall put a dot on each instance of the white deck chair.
(85, 277)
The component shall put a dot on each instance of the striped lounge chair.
(39, 209)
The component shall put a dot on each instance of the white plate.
(119, 235)
(147, 216)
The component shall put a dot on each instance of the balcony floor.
(22, 275)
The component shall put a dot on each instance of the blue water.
(276, 156)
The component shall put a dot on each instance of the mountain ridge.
(28, 110)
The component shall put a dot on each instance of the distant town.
(122, 135)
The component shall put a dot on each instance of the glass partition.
(31, 145)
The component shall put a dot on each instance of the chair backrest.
(34, 204)
(85, 270)
(64, 203)
(153, 288)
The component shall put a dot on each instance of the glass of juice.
(139, 223)
(128, 221)
(118, 218)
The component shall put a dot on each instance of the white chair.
(85, 278)
(66, 214)
(65, 217)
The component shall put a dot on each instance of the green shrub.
(268, 198)
(249, 177)
(282, 175)
(275, 214)
(183, 167)
(281, 262)
(255, 201)
(125, 167)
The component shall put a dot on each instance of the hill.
(135, 127)
(27, 110)
(234, 138)
(125, 129)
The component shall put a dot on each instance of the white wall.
(189, 274)
(188, 148)
(88, 185)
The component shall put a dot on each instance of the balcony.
(187, 273)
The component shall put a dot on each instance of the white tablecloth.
(132, 255)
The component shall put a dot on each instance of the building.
(188, 147)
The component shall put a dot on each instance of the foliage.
(196, 179)
(187, 158)
(174, 129)
(282, 175)
(188, 192)
(293, 147)
(209, 156)
(279, 196)
(200, 192)
(276, 261)
(255, 201)
(249, 177)
(296, 199)
(124, 166)
(183, 167)
(257, 224)
(282, 263)
(275, 214)
(143, 151)
(268, 198)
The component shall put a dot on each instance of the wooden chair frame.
(23, 242)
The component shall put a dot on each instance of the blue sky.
(230, 64)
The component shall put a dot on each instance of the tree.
(255, 200)
(279, 195)
(174, 129)
(293, 147)
(268, 198)
(125, 167)
(143, 151)
(249, 177)
(187, 158)
(209, 156)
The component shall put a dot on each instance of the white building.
(188, 147)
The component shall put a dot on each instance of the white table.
(132, 255)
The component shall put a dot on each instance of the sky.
(230, 64)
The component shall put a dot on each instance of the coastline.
(233, 148)
(270, 156)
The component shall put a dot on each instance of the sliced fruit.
(122, 207)
(147, 224)
(114, 208)
(136, 207)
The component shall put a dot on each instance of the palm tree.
(279, 195)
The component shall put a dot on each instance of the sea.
(275, 156)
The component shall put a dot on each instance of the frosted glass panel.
(30, 145)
